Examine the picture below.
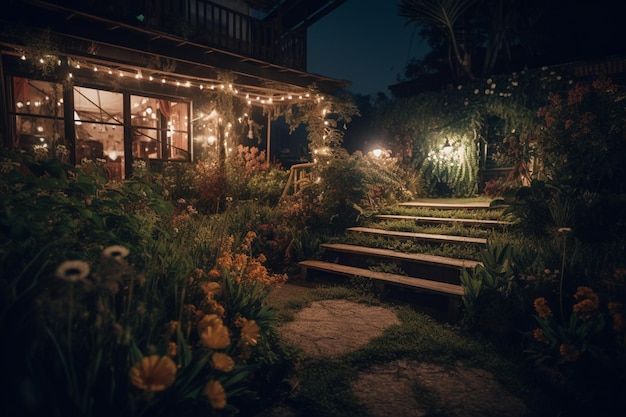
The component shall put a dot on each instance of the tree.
(479, 38)
(444, 15)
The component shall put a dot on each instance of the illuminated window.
(99, 125)
(160, 128)
(38, 116)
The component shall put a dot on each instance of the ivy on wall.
(418, 128)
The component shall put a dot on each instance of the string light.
(269, 98)
(262, 98)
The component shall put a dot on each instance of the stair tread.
(425, 236)
(414, 282)
(444, 219)
(450, 206)
(418, 257)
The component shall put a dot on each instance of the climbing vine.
(418, 128)
(325, 118)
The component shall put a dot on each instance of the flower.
(172, 349)
(115, 252)
(542, 308)
(72, 271)
(213, 332)
(216, 394)
(211, 288)
(222, 362)
(569, 353)
(250, 332)
(153, 373)
(539, 335)
(588, 304)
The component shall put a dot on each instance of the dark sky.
(365, 42)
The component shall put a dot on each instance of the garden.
(148, 296)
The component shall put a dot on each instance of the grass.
(323, 386)
(457, 250)
(441, 229)
(480, 214)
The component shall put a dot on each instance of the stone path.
(335, 327)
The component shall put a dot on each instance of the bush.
(104, 309)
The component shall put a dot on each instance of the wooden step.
(403, 256)
(422, 236)
(412, 282)
(452, 291)
(483, 205)
(443, 220)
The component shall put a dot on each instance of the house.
(122, 81)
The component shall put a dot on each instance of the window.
(99, 125)
(156, 128)
(38, 113)
(160, 129)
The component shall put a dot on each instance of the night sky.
(365, 42)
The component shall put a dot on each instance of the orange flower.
(542, 308)
(213, 332)
(619, 324)
(540, 336)
(222, 362)
(153, 373)
(569, 353)
(590, 302)
(214, 273)
(615, 308)
(216, 394)
(172, 349)
(211, 288)
(250, 332)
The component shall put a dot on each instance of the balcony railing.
(208, 23)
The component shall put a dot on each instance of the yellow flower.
(222, 362)
(216, 394)
(250, 332)
(542, 308)
(115, 252)
(72, 271)
(153, 373)
(213, 332)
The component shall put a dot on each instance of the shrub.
(133, 328)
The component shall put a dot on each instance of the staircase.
(419, 248)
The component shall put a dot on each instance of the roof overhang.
(124, 48)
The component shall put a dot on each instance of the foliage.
(585, 353)
(245, 175)
(418, 128)
(346, 187)
(325, 119)
(92, 333)
(472, 39)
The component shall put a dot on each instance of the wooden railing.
(208, 23)
(299, 176)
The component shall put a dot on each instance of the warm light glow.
(377, 152)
